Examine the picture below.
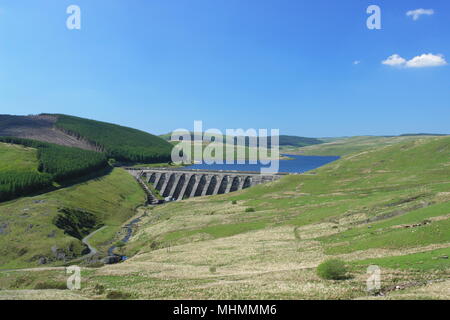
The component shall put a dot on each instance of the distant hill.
(284, 140)
(118, 142)
(423, 134)
(347, 145)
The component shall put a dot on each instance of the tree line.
(120, 143)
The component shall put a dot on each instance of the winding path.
(85, 240)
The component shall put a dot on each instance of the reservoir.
(298, 164)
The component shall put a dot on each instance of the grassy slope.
(29, 232)
(17, 158)
(355, 208)
(344, 146)
(208, 247)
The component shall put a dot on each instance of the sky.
(306, 67)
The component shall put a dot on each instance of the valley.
(385, 202)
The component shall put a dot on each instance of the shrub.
(76, 223)
(333, 269)
(234, 202)
(250, 210)
(117, 295)
(212, 269)
(42, 285)
(96, 264)
(22, 282)
(99, 289)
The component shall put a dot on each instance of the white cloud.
(415, 14)
(394, 60)
(356, 62)
(422, 61)
(426, 60)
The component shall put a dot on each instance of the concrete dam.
(181, 184)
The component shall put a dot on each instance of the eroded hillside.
(41, 128)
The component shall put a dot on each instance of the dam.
(179, 184)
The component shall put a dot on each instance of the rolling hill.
(67, 148)
(388, 205)
(284, 140)
(120, 143)
(385, 202)
(348, 145)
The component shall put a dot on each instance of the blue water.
(299, 164)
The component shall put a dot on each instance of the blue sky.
(158, 65)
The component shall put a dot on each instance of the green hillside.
(27, 170)
(120, 143)
(391, 202)
(387, 205)
(30, 237)
(344, 146)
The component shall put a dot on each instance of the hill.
(387, 206)
(120, 143)
(41, 128)
(284, 140)
(348, 145)
(38, 231)
(28, 166)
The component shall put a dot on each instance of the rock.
(58, 253)
(443, 257)
(3, 228)
(42, 260)
(52, 234)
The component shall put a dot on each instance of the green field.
(18, 158)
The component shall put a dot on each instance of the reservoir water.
(298, 164)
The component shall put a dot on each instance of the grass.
(422, 261)
(360, 209)
(18, 158)
(345, 146)
(29, 232)
(354, 209)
